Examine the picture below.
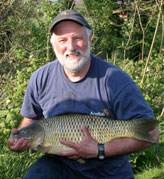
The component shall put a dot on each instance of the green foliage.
(129, 37)
(104, 33)
(151, 173)
(14, 92)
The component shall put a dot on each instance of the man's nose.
(71, 45)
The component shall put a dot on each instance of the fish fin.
(81, 161)
(42, 149)
(143, 135)
(143, 127)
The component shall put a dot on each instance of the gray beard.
(74, 69)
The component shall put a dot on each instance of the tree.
(126, 29)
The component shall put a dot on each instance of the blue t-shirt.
(104, 88)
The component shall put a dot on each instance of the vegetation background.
(127, 33)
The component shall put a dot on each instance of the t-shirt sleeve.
(127, 99)
(31, 108)
(130, 104)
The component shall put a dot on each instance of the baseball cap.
(71, 15)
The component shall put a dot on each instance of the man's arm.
(88, 147)
(21, 144)
(25, 122)
(124, 146)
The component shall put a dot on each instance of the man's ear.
(90, 38)
(52, 40)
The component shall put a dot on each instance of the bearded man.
(79, 82)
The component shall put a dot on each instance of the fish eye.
(24, 132)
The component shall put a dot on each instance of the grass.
(150, 165)
(151, 173)
(15, 165)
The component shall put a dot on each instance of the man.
(79, 82)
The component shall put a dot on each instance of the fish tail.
(143, 127)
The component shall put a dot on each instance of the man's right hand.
(17, 145)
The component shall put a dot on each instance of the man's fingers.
(18, 146)
(86, 132)
(11, 142)
(68, 143)
(74, 157)
(14, 131)
(68, 153)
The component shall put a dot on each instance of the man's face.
(71, 45)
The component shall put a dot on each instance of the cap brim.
(68, 19)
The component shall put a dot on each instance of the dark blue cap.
(71, 15)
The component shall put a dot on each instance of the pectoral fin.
(81, 161)
(42, 149)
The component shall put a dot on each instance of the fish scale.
(46, 134)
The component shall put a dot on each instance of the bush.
(130, 37)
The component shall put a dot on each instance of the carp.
(44, 135)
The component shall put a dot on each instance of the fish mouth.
(16, 137)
